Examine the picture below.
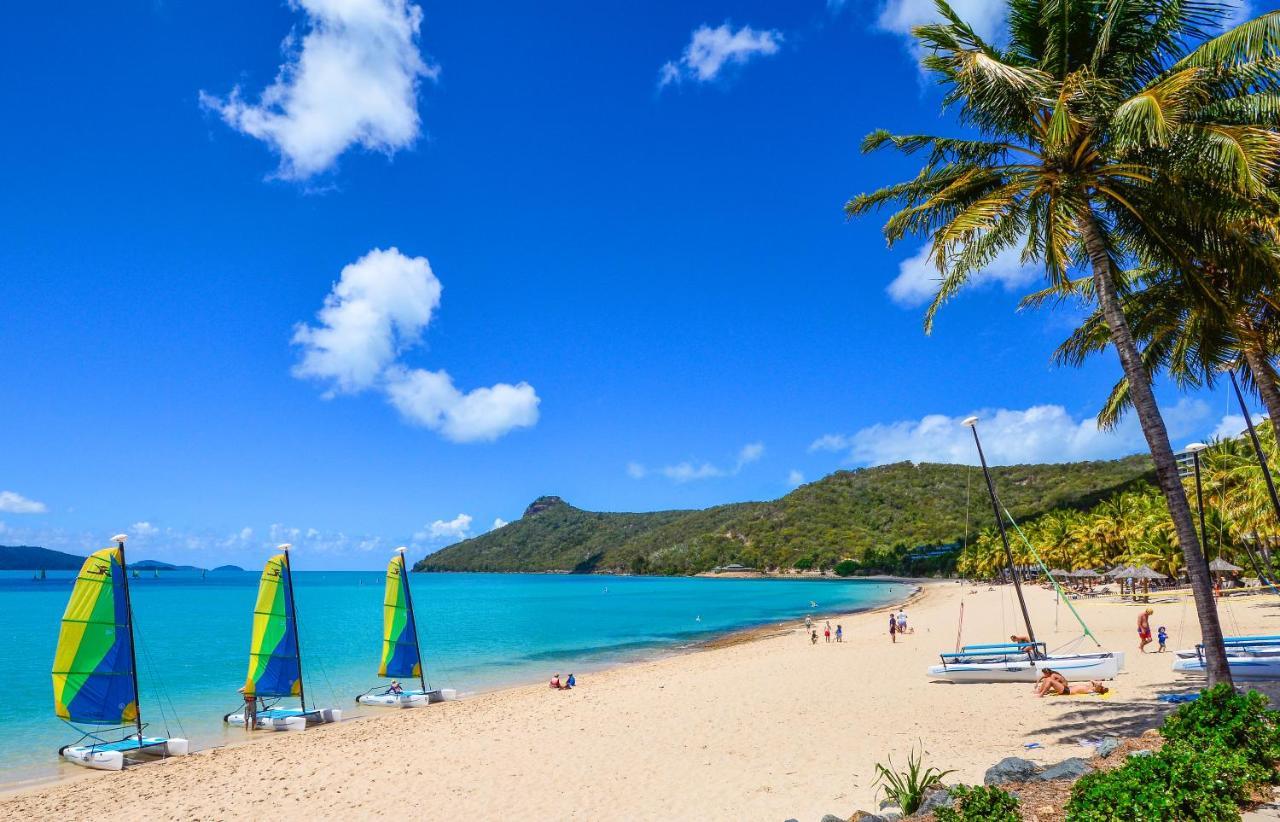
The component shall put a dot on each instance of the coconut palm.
(1092, 119)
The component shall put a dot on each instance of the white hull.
(103, 758)
(1249, 668)
(408, 699)
(1073, 667)
(287, 720)
(442, 695)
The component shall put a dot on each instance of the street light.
(1194, 450)
(972, 424)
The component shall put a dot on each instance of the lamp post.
(972, 423)
(1194, 450)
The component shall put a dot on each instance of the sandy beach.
(766, 729)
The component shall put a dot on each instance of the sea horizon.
(479, 632)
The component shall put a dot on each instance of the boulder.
(1072, 768)
(1010, 769)
(936, 798)
(1108, 746)
(868, 816)
(831, 817)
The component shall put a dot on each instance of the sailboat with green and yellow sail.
(95, 673)
(275, 658)
(401, 651)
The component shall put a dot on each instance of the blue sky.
(578, 249)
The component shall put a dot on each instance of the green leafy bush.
(1175, 783)
(845, 568)
(980, 804)
(907, 788)
(1237, 722)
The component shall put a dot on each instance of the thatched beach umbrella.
(1058, 572)
(1146, 573)
(1120, 572)
(1086, 573)
(1221, 566)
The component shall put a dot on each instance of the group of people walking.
(898, 624)
(826, 631)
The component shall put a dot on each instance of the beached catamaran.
(1021, 661)
(275, 657)
(95, 676)
(401, 651)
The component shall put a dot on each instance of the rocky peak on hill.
(542, 504)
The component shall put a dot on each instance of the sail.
(93, 666)
(399, 634)
(274, 669)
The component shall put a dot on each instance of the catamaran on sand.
(275, 658)
(95, 676)
(401, 651)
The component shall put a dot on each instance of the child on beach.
(1162, 636)
(555, 682)
(570, 682)
(839, 634)
(826, 632)
(893, 629)
(813, 637)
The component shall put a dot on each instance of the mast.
(972, 422)
(293, 611)
(119, 539)
(408, 600)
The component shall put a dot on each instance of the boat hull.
(1265, 668)
(276, 719)
(1074, 668)
(407, 699)
(111, 756)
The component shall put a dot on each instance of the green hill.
(873, 515)
(31, 558)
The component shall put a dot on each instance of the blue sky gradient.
(667, 266)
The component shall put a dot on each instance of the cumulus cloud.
(711, 49)
(377, 310)
(918, 278)
(900, 16)
(751, 452)
(636, 471)
(795, 478)
(351, 79)
(1039, 434)
(11, 502)
(246, 534)
(690, 470)
(498, 522)
(143, 530)
(456, 528)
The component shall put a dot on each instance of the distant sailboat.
(155, 572)
(95, 677)
(135, 574)
(275, 657)
(401, 652)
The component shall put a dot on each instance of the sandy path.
(762, 730)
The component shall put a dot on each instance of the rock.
(1072, 768)
(831, 817)
(1141, 753)
(1010, 769)
(1108, 746)
(792, 820)
(936, 798)
(868, 816)
(542, 504)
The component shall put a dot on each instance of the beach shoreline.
(753, 724)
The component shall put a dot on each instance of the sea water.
(478, 632)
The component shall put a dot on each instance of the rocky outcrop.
(1010, 769)
(1072, 768)
(542, 504)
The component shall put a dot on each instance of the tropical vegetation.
(1121, 141)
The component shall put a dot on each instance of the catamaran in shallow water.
(401, 652)
(95, 676)
(275, 658)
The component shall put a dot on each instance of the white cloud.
(711, 49)
(918, 278)
(430, 399)
(688, 471)
(830, 442)
(378, 309)
(456, 528)
(795, 478)
(11, 502)
(751, 452)
(900, 16)
(351, 80)
(1230, 427)
(498, 522)
(246, 534)
(143, 530)
(636, 471)
(1039, 434)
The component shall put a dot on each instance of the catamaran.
(1250, 658)
(95, 676)
(1020, 661)
(401, 652)
(275, 658)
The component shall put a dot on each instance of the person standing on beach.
(826, 632)
(808, 622)
(813, 637)
(893, 629)
(839, 634)
(1144, 629)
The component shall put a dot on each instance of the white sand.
(762, 730)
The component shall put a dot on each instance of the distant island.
(899, 518)
(32, 558)
(222, 568)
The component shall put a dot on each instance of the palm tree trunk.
(1153, 428)
(1264, 376)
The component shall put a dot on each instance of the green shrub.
(845, 568)
(907, 788)
(980, 804)
(1237, 722)
(1175, 783)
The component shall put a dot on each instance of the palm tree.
(1092, 119)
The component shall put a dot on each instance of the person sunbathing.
(1053, 683)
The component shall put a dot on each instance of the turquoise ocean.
(478, 631)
